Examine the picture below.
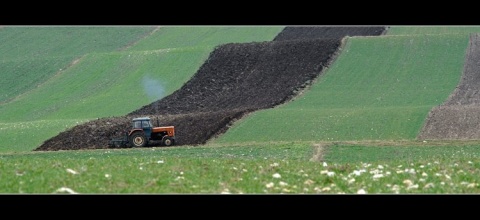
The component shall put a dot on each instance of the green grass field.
(379, 88)
(413, 30)
(246, 169)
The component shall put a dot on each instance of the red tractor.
(143, 132)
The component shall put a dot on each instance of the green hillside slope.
(106, 84)
(411, 30)
(379, 88)
(200, 36)
(30, 55)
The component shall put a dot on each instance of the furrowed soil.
(458, 118)
(236, 79)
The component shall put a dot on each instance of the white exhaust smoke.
(153, 88)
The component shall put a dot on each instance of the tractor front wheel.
(138, 139)
(167, 141)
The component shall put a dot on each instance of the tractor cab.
(140, 123)
(144, 124)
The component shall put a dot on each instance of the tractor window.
(137, 124)
(147, 124)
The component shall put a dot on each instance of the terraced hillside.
(379, 88)
(235, 80)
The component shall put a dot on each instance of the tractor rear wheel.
(138, 139)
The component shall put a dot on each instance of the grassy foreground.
(272, 168)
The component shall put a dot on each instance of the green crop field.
(379, 88)
(194, 36)
(31, 55)
(412, 30)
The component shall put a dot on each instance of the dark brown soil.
(336, 32)
(459, 116)
(236, 79)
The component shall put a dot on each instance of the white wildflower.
(308, 182)
(160, 161)
(325, 164)
(331, 174)
(350, 181)
(407, 182)
(276, 175)
(396, 188)
(361, 191)
(377, 176)
(356, 173)
(429, 185)
(424, 174)
(324, 172)
(274, 165)
(269, 185)
(65, 189)
(107, 175)
(413, 186)
(281, 183)
(72, 171)
(471, 185)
